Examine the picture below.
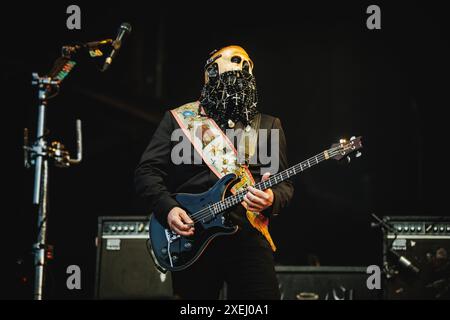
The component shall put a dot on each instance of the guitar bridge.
(171, 237)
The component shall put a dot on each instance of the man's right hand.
(180, 223)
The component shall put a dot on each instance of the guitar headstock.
(345, 148)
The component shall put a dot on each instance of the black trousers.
(244, 261)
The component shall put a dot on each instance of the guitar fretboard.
(233, 200)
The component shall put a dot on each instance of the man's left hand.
(256, 200)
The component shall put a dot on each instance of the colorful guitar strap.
(219, 154)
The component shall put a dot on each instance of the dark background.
(318, 68)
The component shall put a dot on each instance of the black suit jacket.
(157, 179)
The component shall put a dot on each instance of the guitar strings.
(235, 199)
(208, 211)
(218, 207)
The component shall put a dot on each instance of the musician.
(244, 260)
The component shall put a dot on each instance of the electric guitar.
(172, 252)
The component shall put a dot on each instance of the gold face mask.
(229, 95)
(231, 58)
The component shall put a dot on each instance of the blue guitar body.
(172, 252)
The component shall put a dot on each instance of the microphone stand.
(385, 228)
(39, 154)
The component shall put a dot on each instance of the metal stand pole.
(40, 197)
(40, 247)
(39, 155)
(40, 145)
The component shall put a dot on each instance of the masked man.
(243, 261)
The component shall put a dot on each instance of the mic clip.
(93, 48)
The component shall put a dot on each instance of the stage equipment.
(324, 283)
(125, 269)
(416, 262)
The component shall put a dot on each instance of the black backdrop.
(318, 68)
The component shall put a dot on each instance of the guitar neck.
(293, 171)
(233, 200)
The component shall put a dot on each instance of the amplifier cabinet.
(125, 268)
(425, 244)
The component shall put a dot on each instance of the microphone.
(405, 262)
(125, 29)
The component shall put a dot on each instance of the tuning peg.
(349, 159)
(353, 138)
(358, 154)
